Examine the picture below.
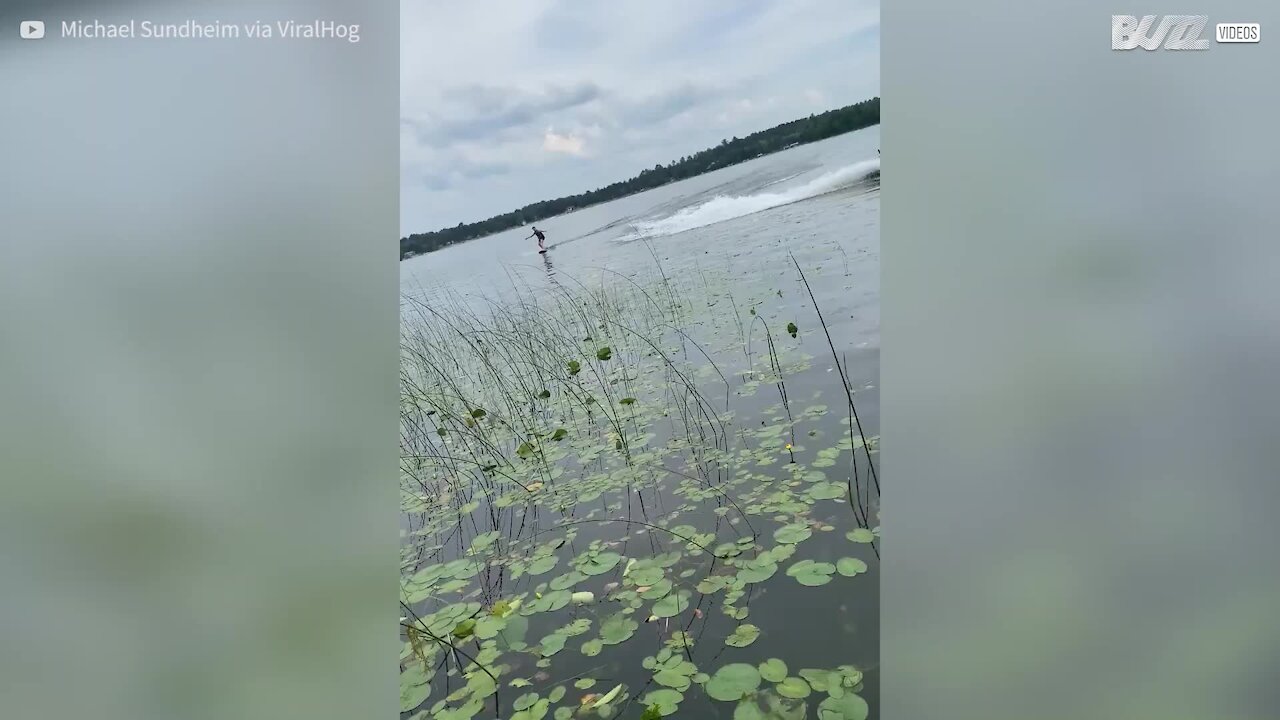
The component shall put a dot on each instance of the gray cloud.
(477, 111)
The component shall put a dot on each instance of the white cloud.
(567, 144)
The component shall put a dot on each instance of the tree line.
(728, 152)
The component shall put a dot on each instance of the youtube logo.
(31, 29)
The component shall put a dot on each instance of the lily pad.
(731, 682)
(849, 567)
(792, 534)
(827, 491)
(793, 687)
(758, 570)
(645, 575)
(743, 636)
(598, 563)
(672, 604)
(415, 687)
(543, 565)
(666, 699)
(658, 590)
(861, 535)
(568, 580)
(524, 702)
(812, 574)
(847, 707)
(773, 670)
(617, 629)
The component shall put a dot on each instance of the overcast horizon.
(550, 100)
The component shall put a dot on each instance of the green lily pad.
(773, 670)
(847, 707)
(861, 535)
(599, 563)
(552, 644)
(673, 680)
(658, 590)
(743, 636)
(617, 629)
(793, 687)
(568, 580)
(849, 567)
(666, 699)
(484, 540)
(792, 534)
(827, 491)
(524, 702)
(748, 709)
(672, 604)
(758, 570)
(812, 574)
(731, 682)
(542, 565)
(556, 694)
(645, 575)
(415, 687)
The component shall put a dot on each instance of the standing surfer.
(538, 234)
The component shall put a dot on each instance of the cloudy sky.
(508, 102)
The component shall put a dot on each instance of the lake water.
(720, 251)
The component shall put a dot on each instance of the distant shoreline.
(728, 153)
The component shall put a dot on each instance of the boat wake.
(722, 208)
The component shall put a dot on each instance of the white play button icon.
(31, 29)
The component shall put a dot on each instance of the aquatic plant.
(595, 488)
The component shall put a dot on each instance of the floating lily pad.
(743, 636)
(568, 580)
(827, 491)
(793, 687)
(584, 683)
(812, 574)
(524, 702)
(847, 707)
(552, 644)
(861, 535)
(598, 563)
(617, 629)
(415, 686)
(850, 566)
(773, 670)
(666, 699)
(672, 604)
(542, 565)
(658, 590)
(758, 570)
(731, 682)
(645, 575)
(792, 534)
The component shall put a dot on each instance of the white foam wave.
(722, 208)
